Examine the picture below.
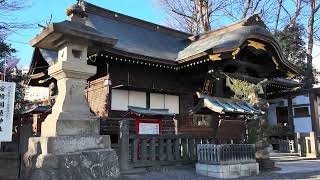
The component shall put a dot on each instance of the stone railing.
(226, 160)
(306, 144)
(225, 153)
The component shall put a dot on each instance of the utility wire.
(17, 41)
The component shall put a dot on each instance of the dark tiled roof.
(141, 39)
(155, 41)
(148, 39)
(37, 109)
(54, 33)
(150, 112)
(225, 41)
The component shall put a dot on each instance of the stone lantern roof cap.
(56, 34)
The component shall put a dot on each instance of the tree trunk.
(310, 30)
(278, 16)
(246, 10)
(203, 10)
(297, 13)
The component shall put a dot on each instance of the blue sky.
(39, 11)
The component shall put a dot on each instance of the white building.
(34, 93)
(278, 113)
(298, 112)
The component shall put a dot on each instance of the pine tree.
(293, 46)
(5, 49)
(294, 49)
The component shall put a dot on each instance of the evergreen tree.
(293, 46)
(294, 49)
(5, 49)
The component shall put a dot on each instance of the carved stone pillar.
(124, 144)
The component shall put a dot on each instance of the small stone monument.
(70, 147)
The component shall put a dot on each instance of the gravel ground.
(309, 169)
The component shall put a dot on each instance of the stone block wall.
(9, 165)
(227, 171)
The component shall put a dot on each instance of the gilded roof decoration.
(235, 52)
(275, 62)
(215, 57)
(257, 45)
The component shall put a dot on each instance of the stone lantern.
(70, 146)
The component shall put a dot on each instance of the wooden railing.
(281, 131)
(225, 153)
(155, 150)
(150, 150)
(284, 146)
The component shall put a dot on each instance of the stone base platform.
(70, 158)
(266, 164)
(99, 164)
(9, 165)
(228, 170)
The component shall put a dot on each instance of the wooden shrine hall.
(152, 68)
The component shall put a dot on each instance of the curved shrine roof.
(152, 41)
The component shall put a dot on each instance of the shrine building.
(175, 81)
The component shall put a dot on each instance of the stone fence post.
(298, 144)
(124, 145)
(311, 145)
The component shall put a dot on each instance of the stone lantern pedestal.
(70, 147)
(263, 156)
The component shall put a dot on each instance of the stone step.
(156, 168)
(12, 173)
(284, 154)
(9, 166)
(134, 171)
(290, 158)
(284, 157)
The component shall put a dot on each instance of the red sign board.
(148, 126)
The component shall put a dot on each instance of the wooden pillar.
(314, 112)
(124, 145)
(219, 84)
(290, 112)
(314, 117)
(108, 84)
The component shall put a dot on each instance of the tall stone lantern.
(70, 146)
